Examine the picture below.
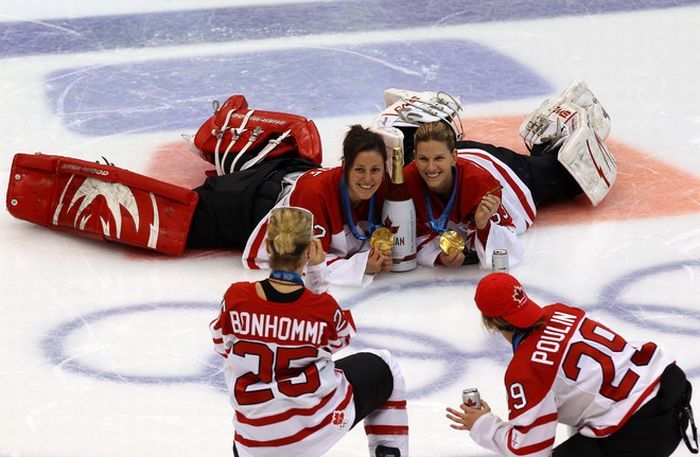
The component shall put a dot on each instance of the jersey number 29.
(612, 343)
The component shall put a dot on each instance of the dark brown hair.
(360, 139)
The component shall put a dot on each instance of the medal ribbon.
(440, 225)
(345, 200)
(288, 276)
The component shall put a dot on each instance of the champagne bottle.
(399, 216)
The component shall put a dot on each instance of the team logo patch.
(519, 296)
(339, 419)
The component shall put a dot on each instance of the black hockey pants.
(653, 431)
(541, 172)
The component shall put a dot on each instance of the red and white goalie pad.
(236, 137)
(100, 201)
(585, 155)
(577, 123)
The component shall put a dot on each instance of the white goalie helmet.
(406, 110)
(411, 108)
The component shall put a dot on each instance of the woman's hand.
(378, 262)
(454, 259)
(315, 253)
(464, 419)
(488, 206)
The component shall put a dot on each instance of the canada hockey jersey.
(288, 397)
(346, 256)
(575, 371)
(477, 173)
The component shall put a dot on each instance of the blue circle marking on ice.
(176, 94)
(53, 345)
(454, 362)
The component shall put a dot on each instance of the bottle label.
(400, 218)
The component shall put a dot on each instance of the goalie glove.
(550, 122)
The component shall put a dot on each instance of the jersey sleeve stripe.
(285, 415)
(427, 240)
(328, 262)
(252, 255)
(394, 405)
(386, 429)
(539, 421)
(533, 448)
(300, 435)
(511, 183)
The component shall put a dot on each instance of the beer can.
(499, 261)
(471, 397)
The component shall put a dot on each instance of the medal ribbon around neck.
(440, 225)
(288, 276)
(345, 200)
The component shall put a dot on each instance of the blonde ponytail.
(288, 235)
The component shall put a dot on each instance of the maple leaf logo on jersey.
(519, 296)
(388, 224)
(339, 419)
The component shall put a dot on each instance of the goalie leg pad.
(587, 158)
(100, 201)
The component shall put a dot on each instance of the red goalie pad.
(236, 137)
(100, 201)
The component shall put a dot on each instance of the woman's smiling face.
(434, 161)
(365, 175)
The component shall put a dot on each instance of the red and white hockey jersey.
(346, 256)
(477, 174)
(288, 397)
(575, 371)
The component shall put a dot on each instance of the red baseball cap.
(501, 295)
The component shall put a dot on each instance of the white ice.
(137, 324)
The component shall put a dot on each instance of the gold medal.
(451, 241)
(382, 239)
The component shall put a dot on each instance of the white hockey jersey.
(288, 397)
(346, 256)
(575, 371)
(477, 174)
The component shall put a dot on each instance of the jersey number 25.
(275, 366)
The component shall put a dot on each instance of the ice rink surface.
(105, 350)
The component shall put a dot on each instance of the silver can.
(499, 261)
(471, 397)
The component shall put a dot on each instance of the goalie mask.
(406, 110)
